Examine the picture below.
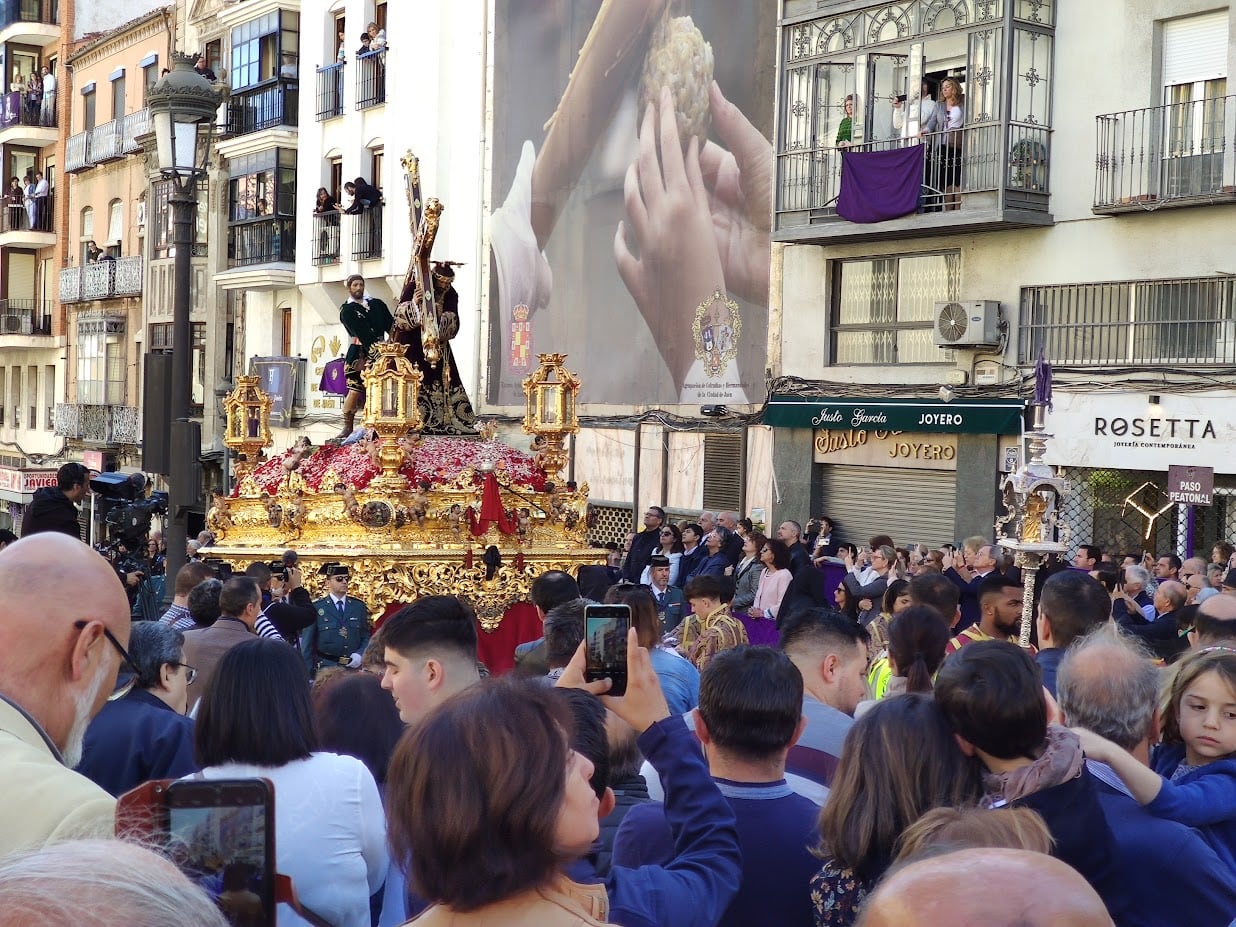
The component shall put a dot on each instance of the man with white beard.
(64, 624)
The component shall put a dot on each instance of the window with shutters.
(724, 471)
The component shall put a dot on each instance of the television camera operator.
(128, 515)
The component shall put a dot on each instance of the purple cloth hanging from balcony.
(879, 185)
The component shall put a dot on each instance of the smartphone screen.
(605, 636)
(221, 835)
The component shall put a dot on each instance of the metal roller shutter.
(912, 506)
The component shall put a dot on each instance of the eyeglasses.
(126, 662)
(667, 534)
(341, 577)
(190, 673)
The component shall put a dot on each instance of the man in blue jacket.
(749, 716)
(1108, 685)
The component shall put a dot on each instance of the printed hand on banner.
(739, 183)
(678, 264)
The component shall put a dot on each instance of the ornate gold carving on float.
(412, 515)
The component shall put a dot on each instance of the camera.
(279, 568)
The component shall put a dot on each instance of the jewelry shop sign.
(968, 416)
(1125, 431)
(906, 449)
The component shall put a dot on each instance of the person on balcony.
(34, 97)
(203, 69)
(48, 111)
(845, 131)
(951, 149)
(931, 115)
(325, 207)
(365, 196)
(15, 200)
(28, 188)
(93, 252)
(377, 37)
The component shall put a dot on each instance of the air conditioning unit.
(11, 324)
(967, 324)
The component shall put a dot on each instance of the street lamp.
(182, 110)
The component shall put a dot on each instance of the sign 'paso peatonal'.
(970, 416)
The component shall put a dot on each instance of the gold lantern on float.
(551, 390)
(392, 407)
(247, 430)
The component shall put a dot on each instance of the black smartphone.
(901, 98)
(605, 639)
(221, 834)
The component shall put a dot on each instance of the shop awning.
(961, 416)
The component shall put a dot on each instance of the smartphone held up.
(605, 644)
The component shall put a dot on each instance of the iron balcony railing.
(33, 215)
(106, 143)
(25, 317)
(809, 179)
(367, 233)
(29, 11)
(371, 79)
(326, 237)
(133, 127)
(268, 240)
(77, 153)
(16, 110)
(330, 92)
(1177, 154)
(263, 107)
(102, 280)
(98, 424)
(1172, 323)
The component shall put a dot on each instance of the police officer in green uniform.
(341, 632)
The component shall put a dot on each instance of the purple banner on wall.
(879, 185)
(10, 110)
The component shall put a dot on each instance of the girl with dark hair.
(846, 603)
(899, 761)
(747, 573)
(916, 645)
(896, 600)
(256, 719)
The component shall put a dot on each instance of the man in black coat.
(644, 544)
(54, 508)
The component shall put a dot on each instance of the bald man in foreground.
(57, 668)
(1024, 889)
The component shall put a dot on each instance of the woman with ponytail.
(916, 644)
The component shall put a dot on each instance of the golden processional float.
(412, 513)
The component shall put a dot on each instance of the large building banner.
(632, 191)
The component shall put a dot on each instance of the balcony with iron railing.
(978, 183)
(23, 122)
(33, 218)
(77, 153)
(326, 238)
(97, 424)
(265, 106)
(25, 317)
(133, 127)
(1188, 322)
(371, 79)
(102, 280)
(106, 142)
(268, 240)
(367, 233)
(1180, 154)
(329, 92)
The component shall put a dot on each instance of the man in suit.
(341, 632)
(967, 571)
(63, 626)
(806, 589)
(669, 598)
(733, 545)
(240, 603)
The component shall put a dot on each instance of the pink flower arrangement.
(438, 460)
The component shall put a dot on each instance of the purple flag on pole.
(879, 185)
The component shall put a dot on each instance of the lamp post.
(182, 110)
